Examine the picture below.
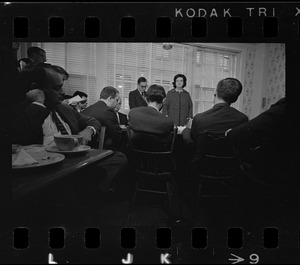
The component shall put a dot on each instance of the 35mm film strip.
(216, 238)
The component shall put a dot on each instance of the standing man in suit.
(150, 119)
(137, 98)
(104, 112)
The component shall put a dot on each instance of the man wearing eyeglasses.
(137, 98)
(80, 105)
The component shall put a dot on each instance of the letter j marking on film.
(129, 259)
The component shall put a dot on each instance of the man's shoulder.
(64, 107)
(133, 92)
(98, 105)
(139, 110)
(239, 113)
(202, 114)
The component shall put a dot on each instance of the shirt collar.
(153, 107)
(221, 104)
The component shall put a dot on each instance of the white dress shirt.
(50, 128)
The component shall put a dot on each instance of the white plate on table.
(43, 157)
(80, 149)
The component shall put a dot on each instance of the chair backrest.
(101, 137)
(155, 162)
(215, 156)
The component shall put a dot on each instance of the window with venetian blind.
(203, 65)
(211, 65)
(79, 60)
(129, 61)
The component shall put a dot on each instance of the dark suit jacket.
(28, 120)
(148, 120)
(270, 125)
(264, 143)
(114, 138)
(123, 118)
(218, 119)
(136, 99)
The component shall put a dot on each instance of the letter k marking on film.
(164, 258)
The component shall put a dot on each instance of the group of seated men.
(35, 119)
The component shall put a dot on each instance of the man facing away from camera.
(221, 116)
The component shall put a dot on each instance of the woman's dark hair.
(156, 93)
(183, 77)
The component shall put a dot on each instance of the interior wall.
(264, 79)
(248, 81)
(276, 75)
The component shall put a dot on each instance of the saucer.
(42, 158)
(80, 149)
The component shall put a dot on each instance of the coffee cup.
(68, 142)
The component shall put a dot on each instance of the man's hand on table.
(87, 134)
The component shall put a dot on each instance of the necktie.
(59, 125)
(144, 96)
(118, 117)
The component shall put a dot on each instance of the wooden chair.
(215, 167)
(151, 168)
(101, 137)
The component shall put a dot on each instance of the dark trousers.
(106, 174)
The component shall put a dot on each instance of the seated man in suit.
(137, 98)
(221, 116)
(103, 111)
(80, 105)
(262, 143)
(38, 119)
(150, 119)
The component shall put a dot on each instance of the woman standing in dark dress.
(178, 105)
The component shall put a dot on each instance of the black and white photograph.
(159, 151)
